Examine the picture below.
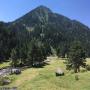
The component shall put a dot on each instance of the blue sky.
(74, 9)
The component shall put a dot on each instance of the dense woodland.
(41, 33)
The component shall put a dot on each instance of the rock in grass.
(15, 71)
(59, 72)
(6, 81)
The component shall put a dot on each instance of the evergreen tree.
(23, 55)
(14, 58)
(4, 42)
(36, 54)
(76, 57)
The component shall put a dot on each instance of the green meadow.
(45, 78)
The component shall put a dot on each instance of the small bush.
(88, 67)
(83, 70)
(76, 77)
(68, 67)
(4, 80)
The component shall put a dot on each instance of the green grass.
(45, 79)
(5, 64)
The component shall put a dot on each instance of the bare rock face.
(59, 72)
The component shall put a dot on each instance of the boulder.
(15, 71)
(6, 82)
(59, 72)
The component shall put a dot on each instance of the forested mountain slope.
(52, 29)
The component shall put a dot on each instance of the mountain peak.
(43, 8)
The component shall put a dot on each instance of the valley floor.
(45, 79)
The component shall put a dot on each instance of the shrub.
(68, 67)
(88, 67)
(76, 77)
(83, 70)
(4, 80)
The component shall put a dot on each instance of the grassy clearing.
(45, 79)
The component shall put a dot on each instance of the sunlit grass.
(5, 64)
(45, 79)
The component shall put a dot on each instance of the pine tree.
(36, 54)
(77, 57)
(14, 58)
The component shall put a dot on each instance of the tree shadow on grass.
(41, 65)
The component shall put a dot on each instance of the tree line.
(32, 48)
